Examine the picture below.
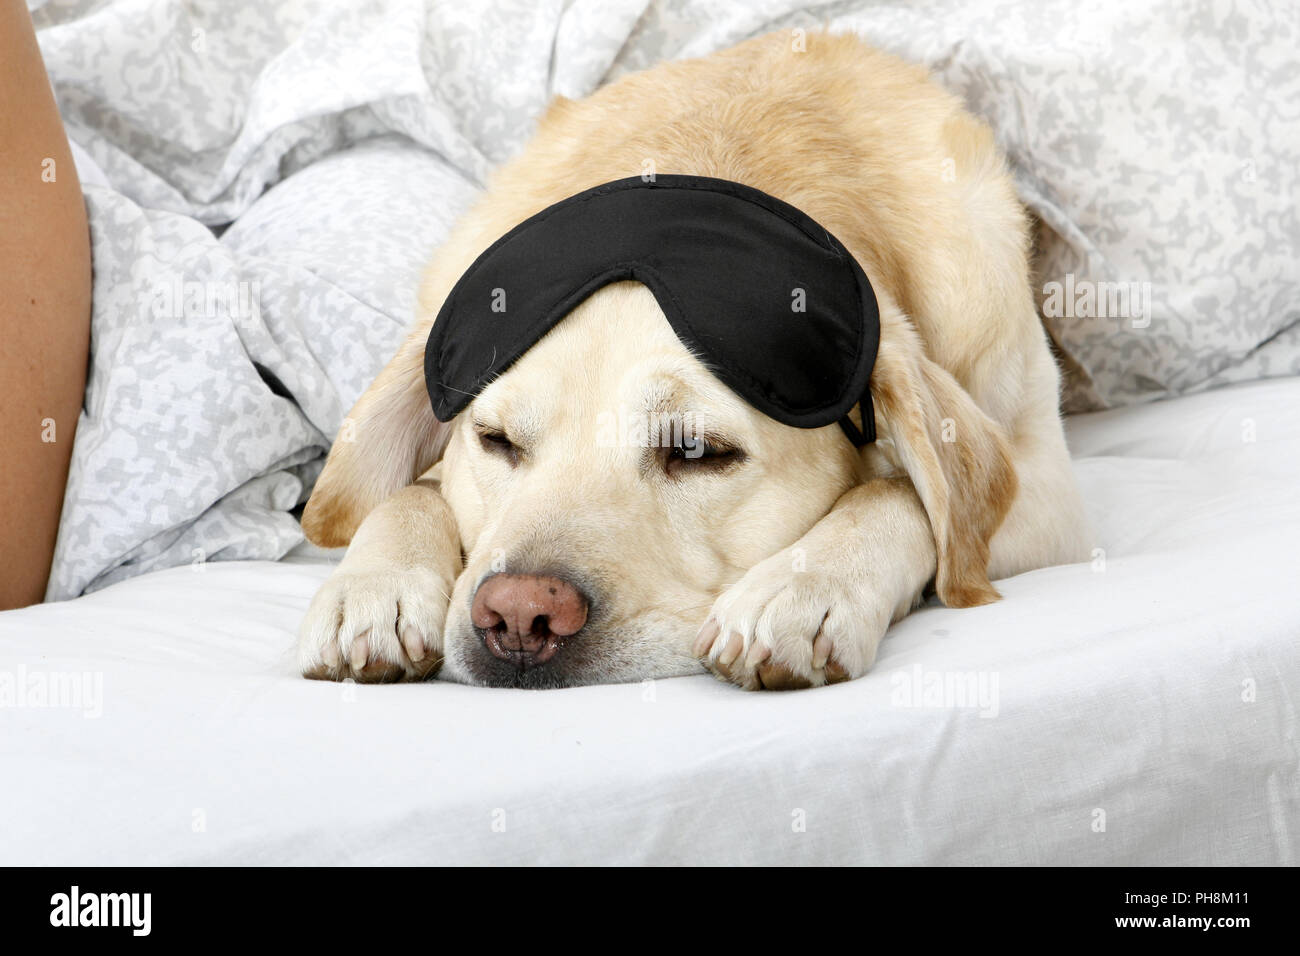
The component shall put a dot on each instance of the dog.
(514, 547)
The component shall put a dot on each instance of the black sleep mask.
(769, 300)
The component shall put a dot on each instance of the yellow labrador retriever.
(515, 546)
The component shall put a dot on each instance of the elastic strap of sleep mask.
(852, 431)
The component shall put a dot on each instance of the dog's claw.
(757, 654)
(331, 656)
(821, 651)
(704, 640)
(360, 652)
(735, 644)
(413, 643)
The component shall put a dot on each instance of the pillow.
(1159, 146)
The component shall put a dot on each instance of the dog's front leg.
(815, 612)
(380, 615)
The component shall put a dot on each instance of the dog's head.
(607, 488)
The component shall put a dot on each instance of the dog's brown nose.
(525, 617)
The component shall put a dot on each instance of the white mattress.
(1157, 697)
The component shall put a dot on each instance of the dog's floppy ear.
(958, 458)
(388, 440)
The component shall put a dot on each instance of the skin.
(45, 287)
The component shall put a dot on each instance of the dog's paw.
(375, 626)
(780, 628)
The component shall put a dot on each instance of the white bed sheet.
(1156, 696)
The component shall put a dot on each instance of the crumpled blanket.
(265, 181)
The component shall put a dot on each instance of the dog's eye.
(496, 442)
(699, 453)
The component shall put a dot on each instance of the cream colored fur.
(796, 561)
